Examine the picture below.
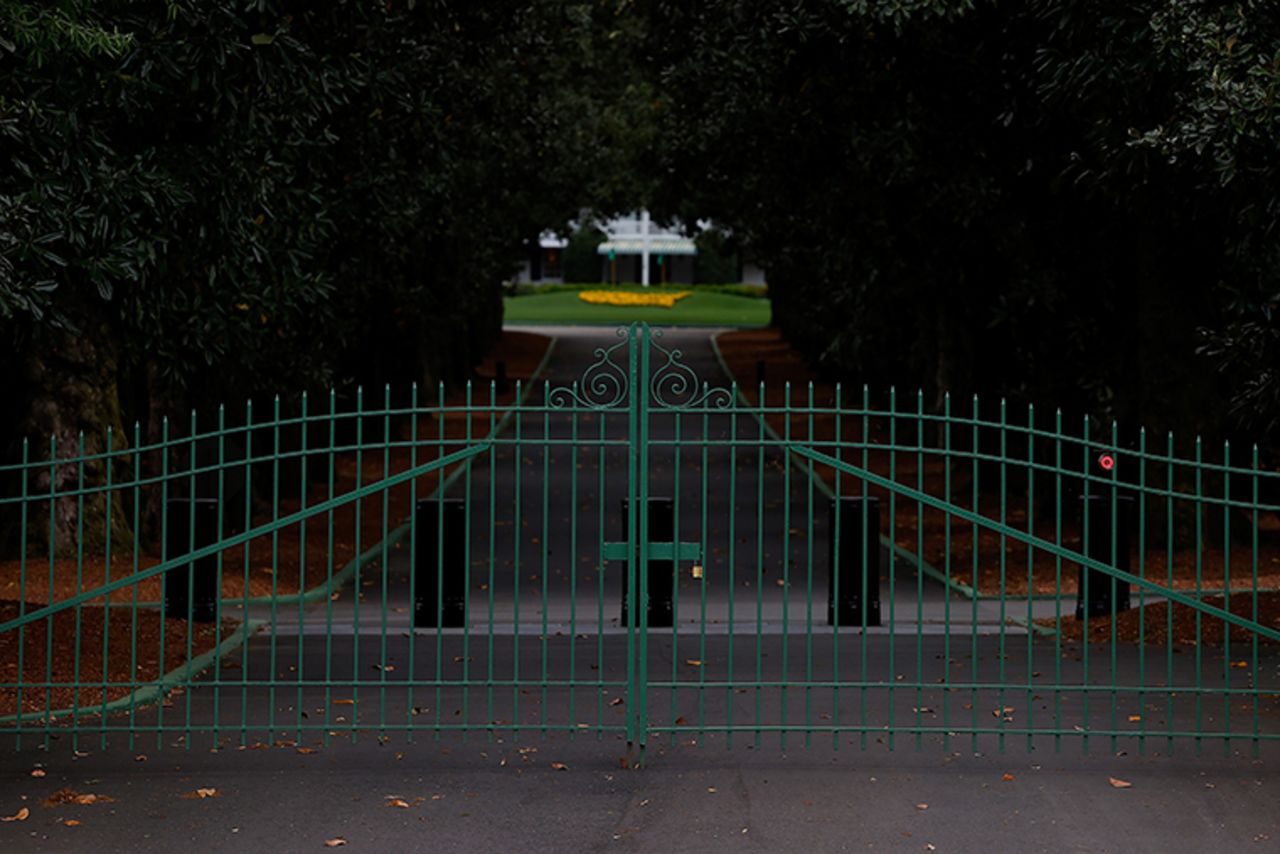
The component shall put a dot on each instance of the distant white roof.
(551, 240)
(658, 245)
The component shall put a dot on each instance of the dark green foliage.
(717, 258)
(581, 263)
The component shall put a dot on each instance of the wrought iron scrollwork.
(674, 385)
(603, 385)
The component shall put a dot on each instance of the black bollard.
(661, 530)
(440, 571)
(859, 560)
(191, 589)
(1103, 591)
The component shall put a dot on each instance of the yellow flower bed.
(665, 299)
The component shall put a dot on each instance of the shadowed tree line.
(1071, 203)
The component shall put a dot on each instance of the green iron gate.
(467, 564)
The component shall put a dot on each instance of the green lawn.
(700, 309)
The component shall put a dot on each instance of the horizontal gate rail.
(1032, 540)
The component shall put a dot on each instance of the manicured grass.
(700, 309)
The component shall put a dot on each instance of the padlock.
(697, 570)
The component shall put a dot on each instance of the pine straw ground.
(1040, 571)
(522, 352)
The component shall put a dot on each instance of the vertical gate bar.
(164, 555)
(602, 417)
(675, 571)
(1226, 596)
(220, 522)
(302, 565)
(836, 559)
(1084, 582)
(52, 594)
(357, 586)
(515, 574)
(493, 539)
(191, 584)
(633, 496)
(328, 606)
(22, 584)
(440, 567)
(1168, 552)
(702, 582)
(466, 566)
(1057, 581)
(1004, 556)
(920, 556)
(786, 555)
(413, 562)
(761, 399)
(75, 678)
(786, 552)
(244, 607)
(1031, 560)
(273, 675)
(808, 583)
(1254, 616)
(1199, 571)
(109, 459)
(946, 571)
(974, 475)
(641, 531)
(542, 547)
(733, 566)
(385, 520)
(136, 563)
(1142, 592)
(893, 542)
(573, 567)
(1114, 538)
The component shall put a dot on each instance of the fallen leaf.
(559, 766)
(141, 757)
(1135, 718)
(693, 662)
(71, 822)
(344, 703)
(20, 815)
(71, 796)
(711, 790)
(1007, 778)
(922, 806)
(201, 794)
(39, 772)
(680, 721)
(1117, 783)
(336, 842)
(616, 701)
(397, 803)
(93, 799)
(306, 750)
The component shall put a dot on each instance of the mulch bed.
(1151, 624)
(287, 574)
(744, 348)
(120, 642)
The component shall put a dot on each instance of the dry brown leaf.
(38, 772)
(693, 662)
(1007, 778)
(93, 799)
(711, 790)
(306, 750)
(922, 806)
(201, 794)
(71, 822)
(559, 766)
(616, 701)
(335, 842)
(1134, 718)
(397, 803)
(344, 703)
(20, 815)
(1117, 783)
(680, 721)
(141, 757)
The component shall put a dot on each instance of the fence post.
(1101, 585)
(440, 573)
(193, 586)
(859, 560)
(662, 527)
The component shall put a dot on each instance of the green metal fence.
(804, 566)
